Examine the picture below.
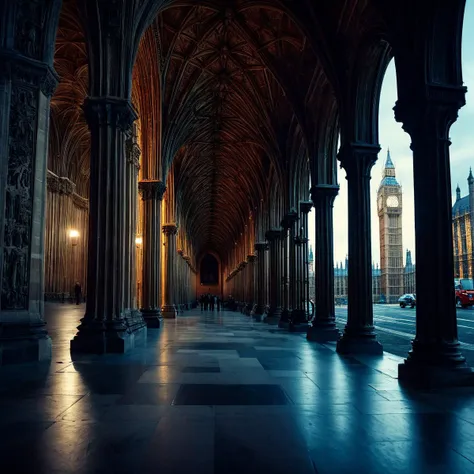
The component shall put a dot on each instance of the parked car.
(464, 292)
(407, 300)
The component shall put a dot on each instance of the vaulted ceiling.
(234, 97)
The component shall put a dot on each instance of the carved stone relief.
(29, 26)
(19, 197)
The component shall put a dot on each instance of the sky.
(392, 136)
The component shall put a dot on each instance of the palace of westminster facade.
(141, 138)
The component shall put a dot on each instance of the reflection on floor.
(218, 393)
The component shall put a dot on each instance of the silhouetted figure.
(78, 292)
(218, 302)
(212, 297)
(201, 302)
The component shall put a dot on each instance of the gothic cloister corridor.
(217, 393)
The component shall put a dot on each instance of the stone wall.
(65, 255)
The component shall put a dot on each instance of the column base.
(298, 316)
(115, 337)
(152, 317)
(431, 377)
(273, 316)
(359, 341)
(258, 312)
(284, 322)
(323, 332)
(435, 365)
(169, 312)
(24, 343)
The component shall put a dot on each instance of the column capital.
(357, 158)
(273, 235)
(432, 112)
(151, 190)
(109, 111)
(251, 258)
(29, 71)
(261, 246)
(289, 219)
(306, 206)
(322, 192)
(180, 252)
(170, 229)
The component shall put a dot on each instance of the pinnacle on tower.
(458, 193)
(389, 163)
(470, 178)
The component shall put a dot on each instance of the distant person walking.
(78, 292)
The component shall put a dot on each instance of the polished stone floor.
(218, 393)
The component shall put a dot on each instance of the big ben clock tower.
(389, 206)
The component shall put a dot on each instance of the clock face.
(392, 201)
(380, 202)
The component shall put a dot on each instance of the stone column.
(152, 193)
(285, 312)
(131, 212)
(291, 220)
(259, 310)
(273, 236)
(251, 259)
(359, 335)
(435, 358)
(169, 308)
(323, 327)
(26, 87)
(104, 328)
(305, 209)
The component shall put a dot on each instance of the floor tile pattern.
(216, 393)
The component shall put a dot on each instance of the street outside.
(395, 328)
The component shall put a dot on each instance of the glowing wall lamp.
(138, 241)
(74, 236)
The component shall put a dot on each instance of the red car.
(464, 292)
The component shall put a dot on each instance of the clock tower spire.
(389, 207)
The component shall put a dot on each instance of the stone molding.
(273, 234)
(151, 190)
(170, 229)
(63, 185)
(261, 246)
(29, 72)
(306, 206)
(324, 191)
(108, 111)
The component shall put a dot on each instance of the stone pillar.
(305, 209)
(435, 358)
(104, 328)
(292, 219)
(359, 335)
(133, 167)
(251, 259)
(259, 310)
(323, 327)
(169, 308)
(285, 312)
(26, 87)
(273, 236)
(298, 315)
(152, 194)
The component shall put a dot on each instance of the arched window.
(209, 270)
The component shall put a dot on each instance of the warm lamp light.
(74, 236)
(138, 241)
